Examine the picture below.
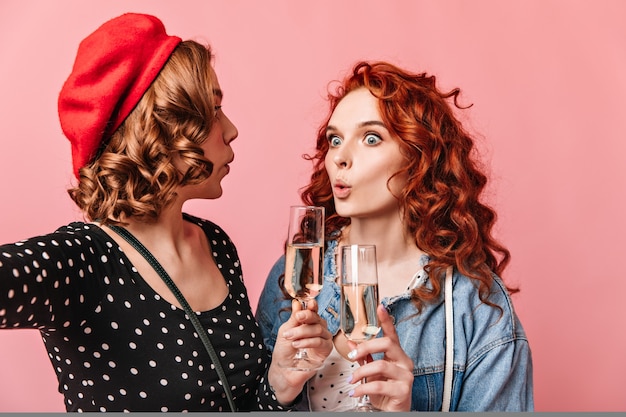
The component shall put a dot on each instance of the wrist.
(289, 404)
(286, 393)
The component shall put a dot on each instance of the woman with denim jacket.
(394, 167)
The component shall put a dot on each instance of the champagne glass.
(304, 268)
(359, 300)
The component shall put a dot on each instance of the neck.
(389, 235)
(397, 253)
(167, 232)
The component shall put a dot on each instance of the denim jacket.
(492, 357)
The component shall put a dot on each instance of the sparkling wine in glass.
(304, 267)
(359, 300)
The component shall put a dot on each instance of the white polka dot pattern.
(328, 389)
(114, 343)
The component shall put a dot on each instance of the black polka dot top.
(114, 343)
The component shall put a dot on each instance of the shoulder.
(75, 246)
(466, 297)
(72, 236)
(78, 229)
(210, 229)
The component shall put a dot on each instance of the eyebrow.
(218, 93)
(331, 128)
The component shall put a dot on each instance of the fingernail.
(352, 354)
(300, 315)
(351, 393)
(288, 334)
(349, 381)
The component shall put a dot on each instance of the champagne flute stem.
(301, 353)
(363, 402)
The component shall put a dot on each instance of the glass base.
(301, 364)
(364, 406)
(365, 409)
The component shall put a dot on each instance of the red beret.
(114, 67)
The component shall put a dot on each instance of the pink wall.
(547, 81)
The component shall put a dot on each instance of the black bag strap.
(181, 299)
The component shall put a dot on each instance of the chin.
(343, 209)
(213, 193)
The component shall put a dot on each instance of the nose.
(229, 129)
(342, 157)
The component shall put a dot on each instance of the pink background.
(548, 84)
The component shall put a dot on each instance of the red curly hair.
(441, 200)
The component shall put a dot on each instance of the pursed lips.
(341, 189)
(228, 162)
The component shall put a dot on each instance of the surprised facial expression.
(362, 157)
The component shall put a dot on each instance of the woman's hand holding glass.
(305, 329)
(359, 300)
(386, 384)
(390, 379)
(304, 275)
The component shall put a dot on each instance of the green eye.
(372, 139)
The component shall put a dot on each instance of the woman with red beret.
(143, 307)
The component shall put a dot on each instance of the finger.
(313, 326)
(391, 350)
(308, 315)
(299, 314)
(386, 323)
(308, 327)
(382, 369)
(312, 305)
(383, 345)
(385, 387)
(315, 342)
(287, 328)
(295, 306)
(380, 344)
(395, 395)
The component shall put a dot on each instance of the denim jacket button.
(332, 312)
